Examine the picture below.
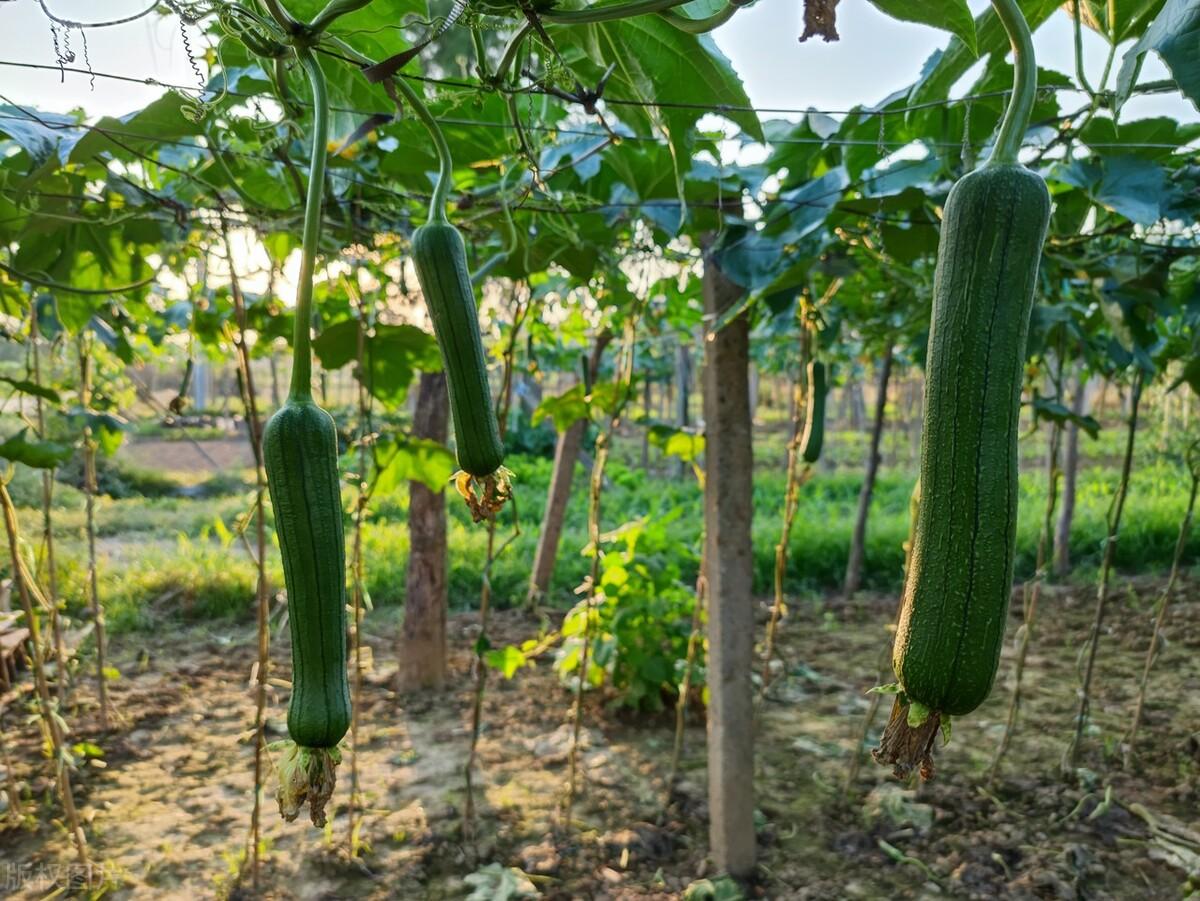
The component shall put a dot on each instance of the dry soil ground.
(169, 803)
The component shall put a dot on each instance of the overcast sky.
(875, 56)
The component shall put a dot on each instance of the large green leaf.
(1138, 189)
(951, 15)
(394, 353)
(32, 388)
(168, 118)
(1157, 138)
(46, 137)
(1175, 36)
(945, 67)
(1130, 19)
(665, 80)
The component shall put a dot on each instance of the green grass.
(174, 556)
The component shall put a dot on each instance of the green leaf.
(167, 118)
(86, 749)
(945, 67)
(722, 888)
(1174, 35)
(950, 15)
(495, 882)
(108, 429)
(1190, 374)
(670, 77)
(1139, 189)
(46, 137)
(565, 409)
(393, 354)
(507, 660)
(414, 460)
(682, 443)
(1155, 138)
(1131, 17)
(33, 388)
(1051, 410)
(37, 454)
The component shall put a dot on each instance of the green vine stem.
(623, 382)
(1077, 22)
(301, 387)
(481, 68)
(510, 53)
(503, 405)
(445, 179)
(333, 10)
(595, 14)
(699, 26)
(695, 637)
(90, 490)
(1020, 105)
(286, 21)
(510, 226)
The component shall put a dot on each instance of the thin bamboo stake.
(797, 476)
(15, 806)
(624, 384)
(262, 588)
(358, 568)
(520, 311)
(1164, 602)
(685, 684)
(594, 494)
(1032, 591)
(51, 723)
(89, 490)
(1110, 546)
(62, 676)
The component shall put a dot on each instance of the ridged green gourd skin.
(813, 436)
(957, 588)
(300, 453)
(441, 262)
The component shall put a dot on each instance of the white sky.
(875, 56)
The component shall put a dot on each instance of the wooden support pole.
(728, 512)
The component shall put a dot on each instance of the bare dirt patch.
(180, 455)
(169, 810)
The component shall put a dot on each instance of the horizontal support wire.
(1157, 87)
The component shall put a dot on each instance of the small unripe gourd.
(813, 437)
